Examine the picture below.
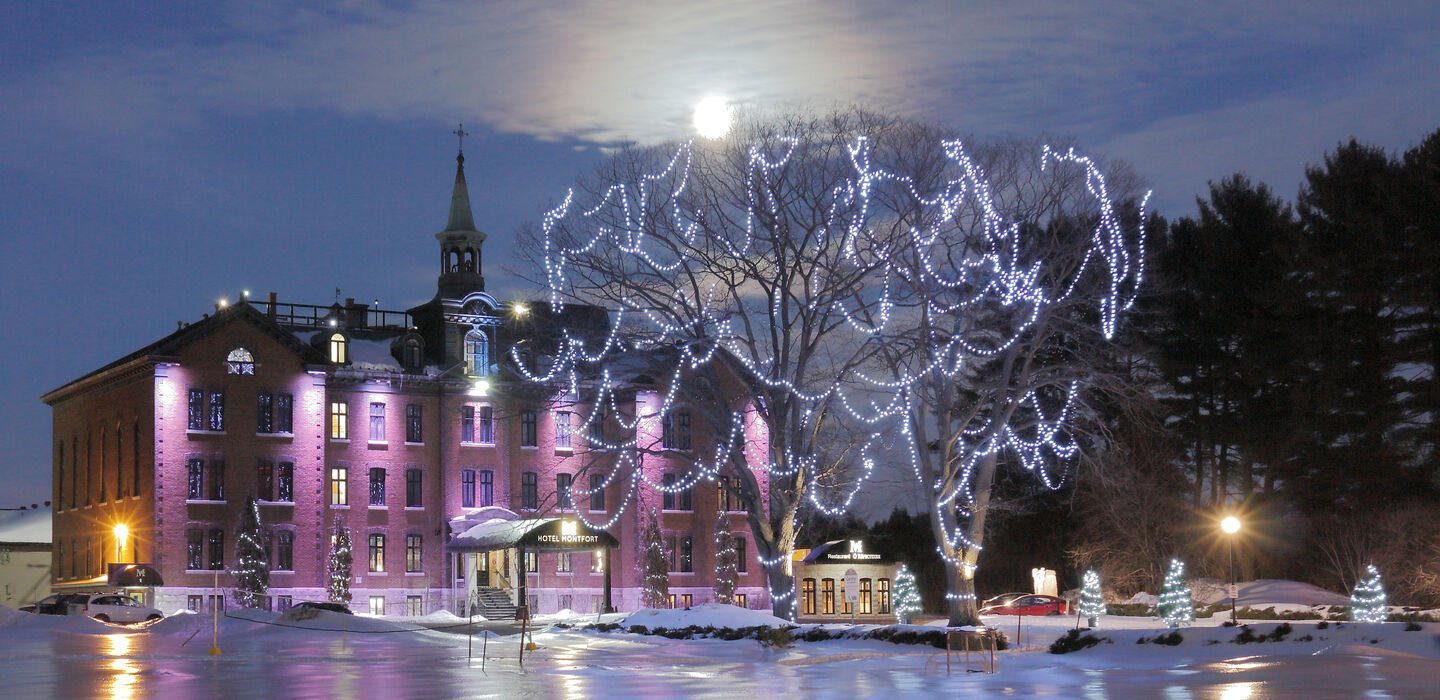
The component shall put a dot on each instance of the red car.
(1028, 605)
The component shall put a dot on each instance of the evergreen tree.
(1092, 605)
(339, 567)
(654, 566)
(907, 595)
(252, 561)
(727, 570)
(1367, 602)
(1175, 605)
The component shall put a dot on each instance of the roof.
(25, 527)
(460, 217)
(534, 534)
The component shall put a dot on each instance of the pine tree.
(1175, 605)
(1092, 605)
(727, 570)
(654, 566)
(340, 564)
(907, 595)
(1367, 602)
(252, 565)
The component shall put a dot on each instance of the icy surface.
(707, 615)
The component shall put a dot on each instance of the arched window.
(412, 356)
(338, 354)
(240, 361)
(477, 353)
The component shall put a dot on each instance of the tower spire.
(460, 217)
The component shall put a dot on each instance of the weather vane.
(462, 133)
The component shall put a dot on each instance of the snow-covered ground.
(330, 655)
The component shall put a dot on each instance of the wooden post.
(609, 604)
(215, 629)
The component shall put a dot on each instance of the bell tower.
(460, 242)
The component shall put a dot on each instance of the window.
(685, 500)
(864, 596)
(195, 603)
(675, 431)
(687, 550)
(532, 562)
(338, 354)
(412, 553)
(597, 492)
(414, 605)
(377, 486)
(217, 548)
(882, 598)
(412, 488)
(477, 353)
(377, 605)
(672, 601)
(413, 423)
(194, 550)
(215, 480)
(377, 553)
(467, 488)
(807, 596)
(285, 550)
(216, 420)
(339, 495)
(284, 602)
(827, 596)
(265, 480)
(487, 425)
(339, 420)
(206, 410)
(667, 487)
(527, 429)
(723, 493)
(240, 361)
(412, 357)
(487, 488)
(274, 413)
(467, 424)
(195, 473)
(740, 558)
(134, 459)
(529, 491)
(740, 601)
(285, 482)
(562, 490)
(377, 422)
(670, 547)
(597, 562)
(562, 563)
(562, 429)
(196, 420)
(597, 426)
(687, 600)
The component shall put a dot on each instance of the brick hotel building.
(409, 428)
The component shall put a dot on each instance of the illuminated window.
(240, 361)
(285, 550)
(807, 596)
(377, 422)
(377, 486)
(597, 562)
(864, 596)
(377, 553)
(339, 420)
(827, 596)
(562, 429)
(882, 597)
(339, 495)
(414, 605)
(338, 351)
(285, 482)
(532, 563)
(477, 353)
(412, 553)
(377, 605)
(562, 563)
(687, 600)
(740, 600)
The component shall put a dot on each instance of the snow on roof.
(25, 526)
(497, 533)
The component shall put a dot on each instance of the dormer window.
(477, 353)
(240, 361)
(412, 355)
(339, 350)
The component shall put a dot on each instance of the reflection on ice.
(126, 673)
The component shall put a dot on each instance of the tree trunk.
(964, 609)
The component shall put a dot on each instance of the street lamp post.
(1231, 525)
(121, 534)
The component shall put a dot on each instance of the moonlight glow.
(712, 117)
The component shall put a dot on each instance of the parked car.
(1001, 599)
(332, 607)
(111, 607)
(1028, 605)
(58, 604)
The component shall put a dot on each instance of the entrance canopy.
(532, 535)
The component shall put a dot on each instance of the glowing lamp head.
(712, 117)
(481, 387)
(121, 534)
(1230, 525)
(520, 308)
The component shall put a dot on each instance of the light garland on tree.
(727, 570)
(654, 566)
(338, 584)
(252, 569)
(907, 596)
(697, 325)
(1367, 601)
(1092, 604)
(1175, 606)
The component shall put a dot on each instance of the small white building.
(821, 573)
(25, 559)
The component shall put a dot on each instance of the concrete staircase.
(494, 604)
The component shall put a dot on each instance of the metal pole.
(484, 649)
(1232, 580)
(215, 615)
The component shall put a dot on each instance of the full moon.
(712, 117)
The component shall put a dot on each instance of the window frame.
(339, 420)
(377, 487)
(415, 424)
(376, 549)
(529, 428)
(530, 490)
(414, 553)
(377, 421)
(467, 488)
(414, 488)
(339, 486)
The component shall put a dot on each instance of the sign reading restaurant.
(855, 551)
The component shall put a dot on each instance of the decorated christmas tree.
(1367, 602)
(1092, 605)
(252, 565)
(340, 564)
(727, 569)
(907, 595)
(1175, 606)
(654, 566)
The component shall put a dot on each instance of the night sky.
(159, 156)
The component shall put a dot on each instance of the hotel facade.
(411, 429)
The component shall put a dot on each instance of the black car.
(332, 607)
(58, 604)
